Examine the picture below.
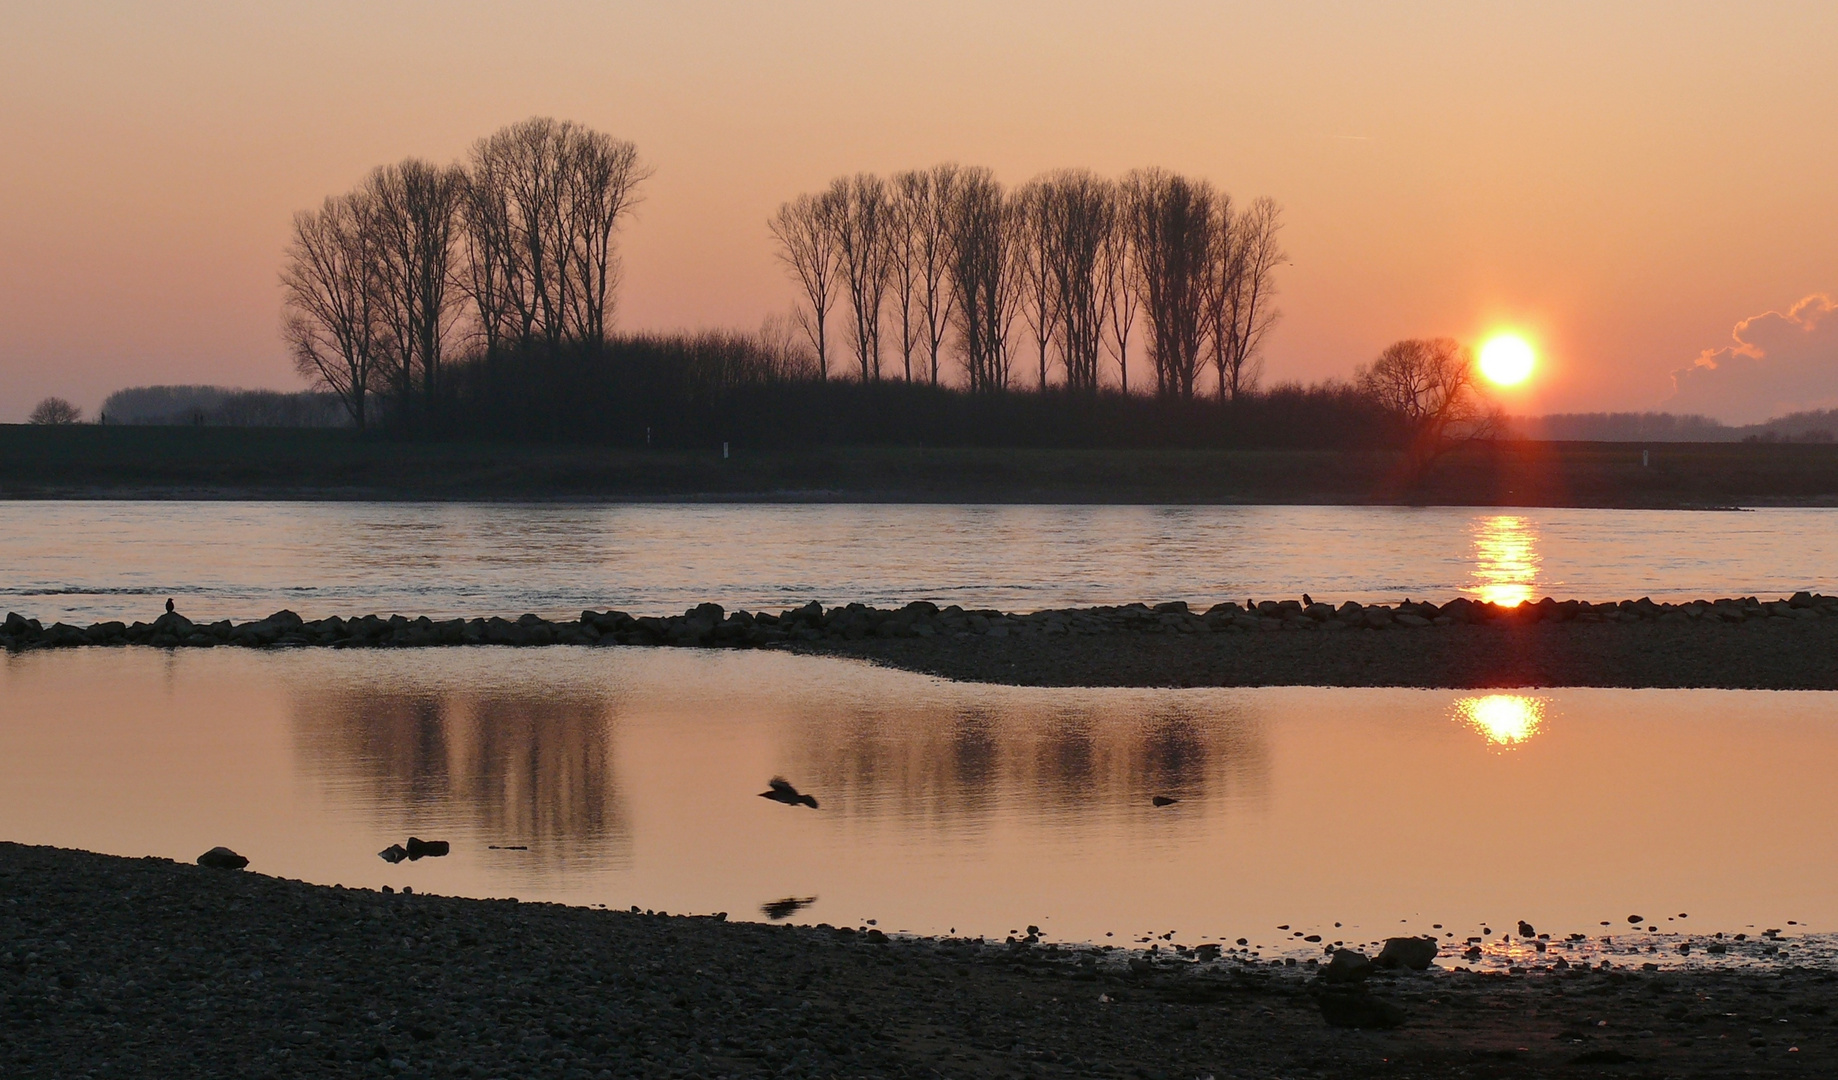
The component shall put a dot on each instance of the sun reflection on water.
(1505, 559)
(1506, 720)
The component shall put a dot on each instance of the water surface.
(87, 561)
(629, 777)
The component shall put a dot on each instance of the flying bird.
(1162, 800)
(780, 790)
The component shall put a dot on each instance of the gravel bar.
(1789, 643)
(150, 968)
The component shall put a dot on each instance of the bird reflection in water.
(1505, 559)
(784, 909)
(1505, 720)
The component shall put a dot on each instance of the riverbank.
(1789, 643)
(92, 462)
(149, 968)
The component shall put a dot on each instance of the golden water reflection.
(1505, 559)
(1506, 720)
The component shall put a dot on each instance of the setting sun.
(1506, 360)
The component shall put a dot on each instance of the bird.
(169, 607)
(786, 908)
(780, 790)
(1163, 800)
(1307, 600)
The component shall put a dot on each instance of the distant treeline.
(426, 282)
(217, 406)
(703, 390)
(1817, 426)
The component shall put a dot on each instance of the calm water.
(630, 777)
(85, 561)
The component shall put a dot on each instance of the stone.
(394, 853)
(426, 849)
(1415, 953)
(1354, 1007)
(1347, 966)
(222, 858)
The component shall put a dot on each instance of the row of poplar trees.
(945, 264)
(512, 249)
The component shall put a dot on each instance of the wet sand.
(144, 967)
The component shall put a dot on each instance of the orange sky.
(1626, 181)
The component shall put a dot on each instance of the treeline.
(218, 406)
(1037, 286)
(509, 253)
(477, 299)
(1815, 427)
(684, 391)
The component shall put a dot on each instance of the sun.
(1506, 360)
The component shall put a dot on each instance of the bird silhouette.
(1162, 800)
(780, 790)
(169, 607)
(786, 908)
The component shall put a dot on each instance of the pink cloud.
(1776, 363)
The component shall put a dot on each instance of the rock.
(222, 858)
(394, 853)
(1415, 953)
(429, 849)
(1354, 1007)
(1162, 800)
(1406, 618)
(1347, 966)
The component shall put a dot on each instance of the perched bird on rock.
(1162, 800)
(780, 790)
(1526, 929)
(169, 607)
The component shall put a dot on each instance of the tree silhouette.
(54, 410)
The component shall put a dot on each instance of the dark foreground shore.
(1736, 643)
(148, 968)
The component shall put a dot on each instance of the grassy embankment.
(151, 462)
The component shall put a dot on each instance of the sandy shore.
(144, 967)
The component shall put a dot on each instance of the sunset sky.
(1628, 184)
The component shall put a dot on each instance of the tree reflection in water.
(956, 766)
(533, 768)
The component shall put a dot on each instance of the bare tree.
(927, 199)
(544, 201)
(1122, 291)
(1253, 256)
(54, 410)
(805, 229)
(331, 321)
(1029, 212)
(1430, 385)
(415, 208)
(864, 246)
(1079, 221)
(1171, 222)
(983, 277)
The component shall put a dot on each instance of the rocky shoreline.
(149, 968)
(1787, 643)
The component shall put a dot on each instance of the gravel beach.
(149, 968)
(1762, 654)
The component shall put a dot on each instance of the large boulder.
(1415, 953)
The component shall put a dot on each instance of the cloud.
(1778, 363)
